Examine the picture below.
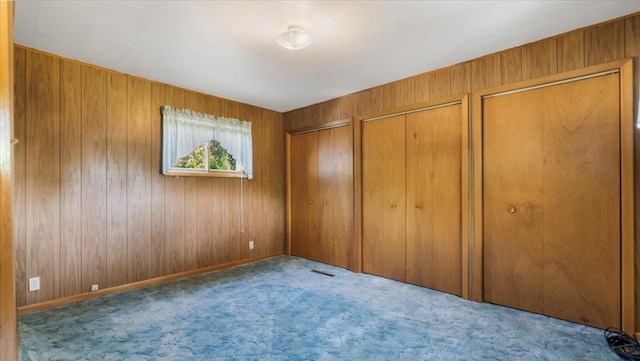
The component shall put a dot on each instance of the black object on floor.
(322, 273)
(625, 346)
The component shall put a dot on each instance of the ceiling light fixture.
(295, 38)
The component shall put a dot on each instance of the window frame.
(206, 172)
(218, 123)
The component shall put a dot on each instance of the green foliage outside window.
(219, 158)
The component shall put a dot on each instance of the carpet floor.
(278, 309)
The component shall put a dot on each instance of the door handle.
(511, 209)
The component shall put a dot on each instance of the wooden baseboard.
(136, 285)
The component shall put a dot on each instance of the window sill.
(210, 174)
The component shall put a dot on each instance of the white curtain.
(183, 130)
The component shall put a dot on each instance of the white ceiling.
(228, 48)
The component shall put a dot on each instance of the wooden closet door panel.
(420, 176)
(383, 198)
(447, 199)
(513, 177)
(434, 199)
(582, 201)
(335, 194)
(304, 194)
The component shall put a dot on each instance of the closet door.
(335, 195)
(434, 224)
(513, 177)
(304, 195)
(383, 198)
(552, 206)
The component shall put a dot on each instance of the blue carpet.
(277, 309)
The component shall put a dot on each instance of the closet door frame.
(463, 101)
(352, 259)
(627, 257)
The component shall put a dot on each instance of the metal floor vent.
(322, 273)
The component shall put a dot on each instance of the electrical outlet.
(34, 284)
(94, 288)
(250, 244)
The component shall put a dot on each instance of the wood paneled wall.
(614, 40)
(8, 319)
(91, 206)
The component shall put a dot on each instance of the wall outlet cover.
(94, 288)
(250, 244)
(34, 284)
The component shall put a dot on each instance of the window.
(205, 145)
(210, 155)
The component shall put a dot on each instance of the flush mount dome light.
(294, 38)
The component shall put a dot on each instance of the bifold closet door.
(552, 204)
(383, 198)
(335, 195)
(434, 158)
(304, 195)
